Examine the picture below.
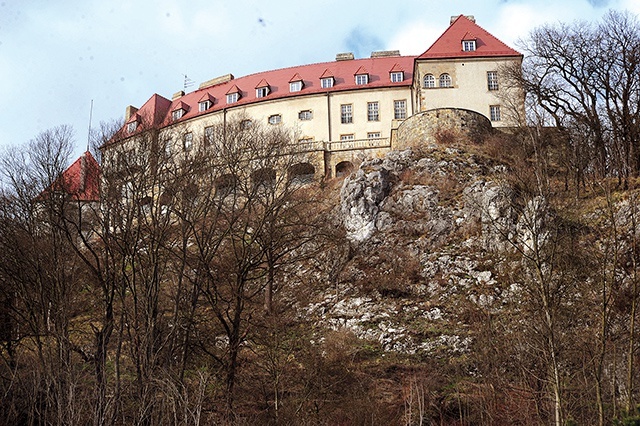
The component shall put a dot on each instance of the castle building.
(345, 109)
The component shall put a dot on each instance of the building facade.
(339, 111)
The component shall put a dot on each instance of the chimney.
(216, 81)
(177, 95)
(348, 56)
(469, 17)
(129, 112)
(385, 53)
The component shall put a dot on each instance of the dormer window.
(397, 76)
(132, 126)
(326, 82)
(362, 76)
(204, 105)
(261, 92)
(295, 86)
(362, 79)
(262, 89)
(233, 95)
(177, 114)
(468, 45)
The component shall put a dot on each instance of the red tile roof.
(81, 180)
(449, 44)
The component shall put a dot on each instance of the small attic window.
(295, 86)
(262, 92)
(204, 105)
(177, 114)
(362, 79)
(132, 126)
(397, 76)
(326, 82)
(232, 97)
(468, 45)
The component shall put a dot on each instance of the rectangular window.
(187, 142)
(305, 115)
(469, 45)
(373, 135)
(494, 112)
(397, 77)
(204, 105)
(400, 109)
(346, 115)
(232, 98)
(492, 80)
(326, 82)
(372, 111)
(362, 79)
(348, 137)
(208, 135)
(306, 140)
(261, 92)
(275, 119)
(295, 86)
(177, 114)
(131, 127)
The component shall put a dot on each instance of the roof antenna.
(89, 132)
(188, 82)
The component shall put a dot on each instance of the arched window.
(429, 81)
(445, 80)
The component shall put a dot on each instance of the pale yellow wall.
(469, 91)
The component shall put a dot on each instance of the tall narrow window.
(372, 111)
(187, 142)
(346, 114)
(400, 109)
(429, 81)
(492, 80)
(494, 112)
(208, 135)
(445, 80)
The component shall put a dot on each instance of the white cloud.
(414, 38)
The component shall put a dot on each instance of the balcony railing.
(369, 143)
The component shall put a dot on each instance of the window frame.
(374, 135)
(468, 45)
(327, 82)
(204, 105)
(275, 119)
(132, 126)
(492, 80)
(295, 86)
(177, 114)
(187, 141)
(495, 113)
(445, 80)
(208, 135)
(373, 111)
(362, 79)
(432, 81)
(397, 76)
(262, 92)
(347, 137)
(232, 98)
(305, 115)
(346, 113)
(400, 112)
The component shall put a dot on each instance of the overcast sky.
(58, 56)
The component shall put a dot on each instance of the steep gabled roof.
(81, 180)
(449, 44)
